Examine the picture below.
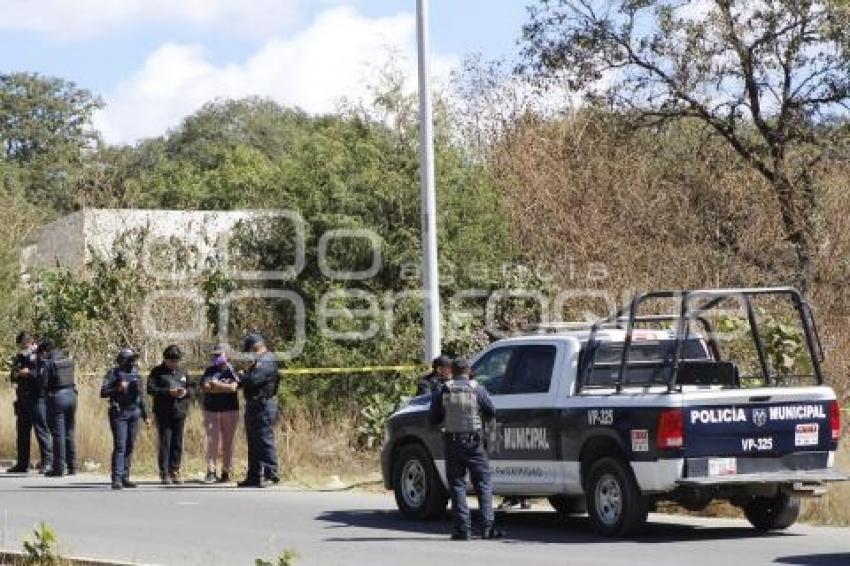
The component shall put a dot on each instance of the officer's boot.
(489, 531)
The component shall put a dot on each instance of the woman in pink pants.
(221, 413)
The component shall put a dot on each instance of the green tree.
(766, 77)
(45, 126)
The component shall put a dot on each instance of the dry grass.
(834, 507)
(311, 449)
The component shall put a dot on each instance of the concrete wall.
(71, 242)
(59, 244)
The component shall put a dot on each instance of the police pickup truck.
(615, 417)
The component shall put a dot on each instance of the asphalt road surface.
(203, 525)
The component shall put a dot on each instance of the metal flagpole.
(430, 275)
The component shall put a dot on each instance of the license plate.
(722, 466)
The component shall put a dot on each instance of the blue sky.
(154, 61)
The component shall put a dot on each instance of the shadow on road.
(528, 527)
(840, 559)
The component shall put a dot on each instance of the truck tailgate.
(757, 431)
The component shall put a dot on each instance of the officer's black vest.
(60, 374)
(269, 388)
(27, 386)
(133, 395)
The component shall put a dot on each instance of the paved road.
(201, 525)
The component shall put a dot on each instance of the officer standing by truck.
(441, 370)
(30, 405)
(170, 388)
(259, 385)
(461, 405)
(58, 371)
(122, 385)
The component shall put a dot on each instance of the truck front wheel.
(615, 503)
(419, 493)
(772, 513)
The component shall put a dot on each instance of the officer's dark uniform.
(58, 372)
(125, 409)
(170, 415)
(465, 452)
(259, 386)
(30, 412)
(431, 382)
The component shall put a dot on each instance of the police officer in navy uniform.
(169, 385)
(58, 370)
(461, 406)
(259, 384)
(30, 405)
(441, 370)
(122, 385)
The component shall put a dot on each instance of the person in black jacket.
(30, 406)
(170, 388)
(259, 384)
(58, 372)
(122, 386)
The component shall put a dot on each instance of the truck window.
(531, 370)
(492, 368)
(649, 356)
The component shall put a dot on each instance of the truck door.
(523, 445)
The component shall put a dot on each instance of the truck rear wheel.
(615, 503)
(772, 513)
(419, 493)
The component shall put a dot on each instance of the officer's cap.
(441, 362)
(252, 341)
(172, 352)
(460, 365)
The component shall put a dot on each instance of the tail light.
(835, 419)
(671, 429)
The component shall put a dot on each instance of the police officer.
(58, 370)
(441, 370)
(30, 406)
(461, 405)
(170, 388)
(259, 385)
(122, 385)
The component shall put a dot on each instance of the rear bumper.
(805, 467)
(800, 476)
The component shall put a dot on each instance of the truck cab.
(612, 418)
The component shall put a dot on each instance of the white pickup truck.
(614, 418)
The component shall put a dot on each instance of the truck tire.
(615, 504)
(772, 513)
(565, 505)
(419, 493)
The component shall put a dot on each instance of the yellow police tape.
(311, 371)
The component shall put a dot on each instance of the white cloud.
(80, 18)
(313, 69)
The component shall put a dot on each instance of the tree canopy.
(768, 77)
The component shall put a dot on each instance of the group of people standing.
(45, 402)
(47, 399)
